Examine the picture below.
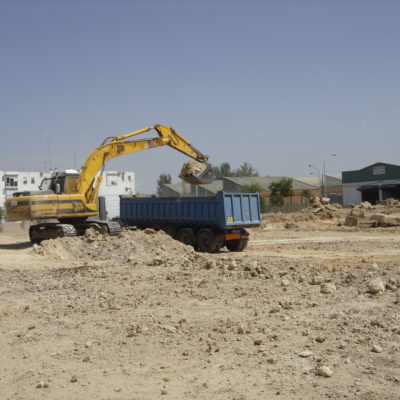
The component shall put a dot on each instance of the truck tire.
(237, 244)
(186, 236)
(206, 241)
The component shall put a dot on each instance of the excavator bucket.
(197, 173)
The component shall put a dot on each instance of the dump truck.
(206, 223)
(65, 204)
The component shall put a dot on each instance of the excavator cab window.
(46, 184)
(58, 183)
(71, 184)
(66, 184)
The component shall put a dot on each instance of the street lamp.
(319, 177)
(324, 182)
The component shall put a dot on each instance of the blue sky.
(279, 84)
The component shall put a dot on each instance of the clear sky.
(279, 84)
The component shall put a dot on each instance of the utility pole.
(48, 150)
(319, 178)
(332, 155)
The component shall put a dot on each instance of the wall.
(337, 190)
(350, 193)
(116, 183)
(297, 197)
(231, 187)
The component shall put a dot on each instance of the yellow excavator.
(70, 197)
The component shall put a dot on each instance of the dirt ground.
(309, 310)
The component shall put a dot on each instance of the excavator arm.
(117, 146)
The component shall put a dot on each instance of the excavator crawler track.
(110, 227)
(114, 228)
(67, 230)
(40, 232)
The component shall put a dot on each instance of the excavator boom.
(196, 173)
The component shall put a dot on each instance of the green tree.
(255, 188)
(163, 179)
(2, 212)
(279, 190)
(307, 194)
(246, 169)
(224, 170)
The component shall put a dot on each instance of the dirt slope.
(145, 317)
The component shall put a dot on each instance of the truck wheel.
(207, 242)
(245, 242)
(237, 244)
(186, 236)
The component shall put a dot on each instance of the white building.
(113, 185)
(17, 181)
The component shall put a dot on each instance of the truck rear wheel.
(237, 244)
(207, 242)
(186, 236)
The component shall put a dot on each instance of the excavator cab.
(61, 183)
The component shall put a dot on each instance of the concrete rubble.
(323, 205)
(383, 215)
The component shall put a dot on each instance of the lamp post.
(319, 178)
(324, 177)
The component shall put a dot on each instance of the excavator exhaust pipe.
(197, 173)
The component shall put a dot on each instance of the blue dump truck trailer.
(206, 223)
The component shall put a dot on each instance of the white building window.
(32, 180)
(25, 180)
(11, 182)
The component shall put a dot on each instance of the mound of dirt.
(305, 219)
(131, 247)
(148, 247)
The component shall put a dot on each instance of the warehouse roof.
(179, 188)
(376, 172)
(331, 180)
(213, 187)
(265, 181)
(184, 189)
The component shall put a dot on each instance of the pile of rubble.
(322, 204)
(362, 214)
(366, 205)
(137, 248)
(360, 218)
(130, 247)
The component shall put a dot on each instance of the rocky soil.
(310, 310)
